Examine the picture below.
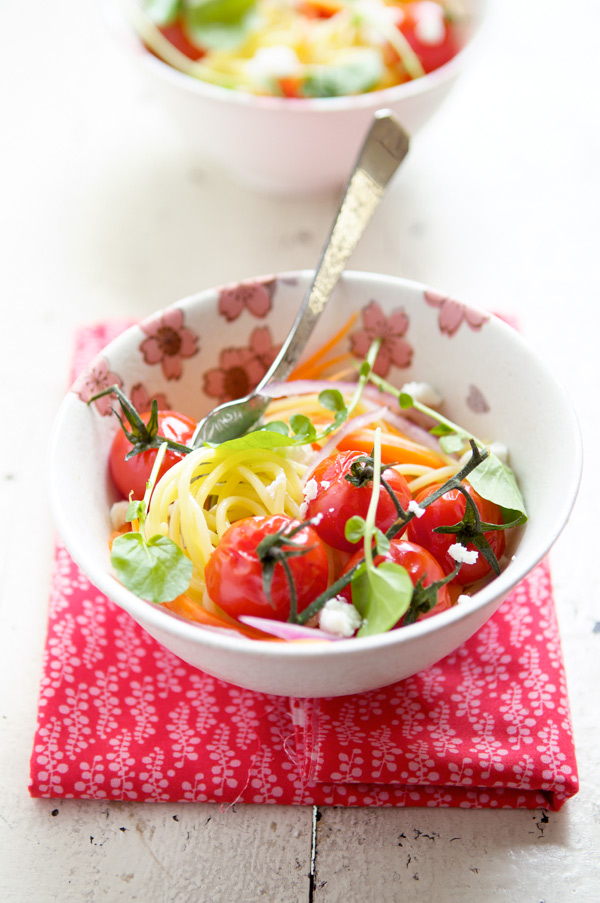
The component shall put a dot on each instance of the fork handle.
(383, 150)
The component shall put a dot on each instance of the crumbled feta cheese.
(415, 508)
(463, 598)
(118, 514)
(339, 617)
(500, 450)
(461, 554)
(424, 393)
(430, 28)
(325, 484)
(311, 490)
(317, 519)
(279, 481)
(278, 61)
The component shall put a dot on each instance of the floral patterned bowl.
(281, 145)
(216, 345)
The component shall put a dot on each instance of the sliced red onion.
(287, 631)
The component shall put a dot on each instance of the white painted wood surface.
(104, 212)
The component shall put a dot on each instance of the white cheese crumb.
(463, 598)
(118, 514)
(461, 554)
(430, 28)
(500, 450)
(415, 508)
(311, 490)
(279, 481)
(339, 617)
(325, 484)
(278, 61)
(424, 393)
(317, 519)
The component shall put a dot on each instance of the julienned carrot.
(395, 449)
(186, 608)
(314, 366)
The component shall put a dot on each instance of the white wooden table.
(104, 212)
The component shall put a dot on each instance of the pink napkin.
(122, 718)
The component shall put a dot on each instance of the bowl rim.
(371, 100)
(152, 616)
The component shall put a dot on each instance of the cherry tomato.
(337, 499)
(132, 475)
(234, 573)
(418, 562)
(176, 36)
(429, 33)
(448, 510)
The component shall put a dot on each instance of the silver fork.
(383, 150)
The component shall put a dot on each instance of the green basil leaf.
(361, 73)
(496, 482)
(155, 569)
(382, 596)
(162, 12)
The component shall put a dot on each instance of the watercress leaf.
(382, 596)
(136, 510)
(277, 426)
(441, 429)
(495, 481)
(155, 569)
(355, 528)
(332, 399)
(303, 428)
(163, 12)
(360, 72)
(221, 35)
(381, 541)
(210, 12)
(452, 443)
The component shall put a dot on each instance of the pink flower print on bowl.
(394, 347)
(95, 379)
(142, 400)
(168, 342)
(256, 297)
(241, 368)
(453, 313)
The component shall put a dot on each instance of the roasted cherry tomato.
(419, 563)
(429, 33)
(132, 475)
(336, 499)
(448, 510)
(234, 571)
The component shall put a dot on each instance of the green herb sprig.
(154, 569)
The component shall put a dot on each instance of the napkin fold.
(122, 718)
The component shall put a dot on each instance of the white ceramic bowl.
(492, 382)
(287, 146)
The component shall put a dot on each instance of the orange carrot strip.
(306, 368)
(186, 608)
(394, 449)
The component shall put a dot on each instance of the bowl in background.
(492, 382)
(289, 146)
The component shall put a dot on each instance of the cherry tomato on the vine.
(234, 571)
(429, 33)
(419, 563)
(448, 510)
(132, 475)
(337, 499)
